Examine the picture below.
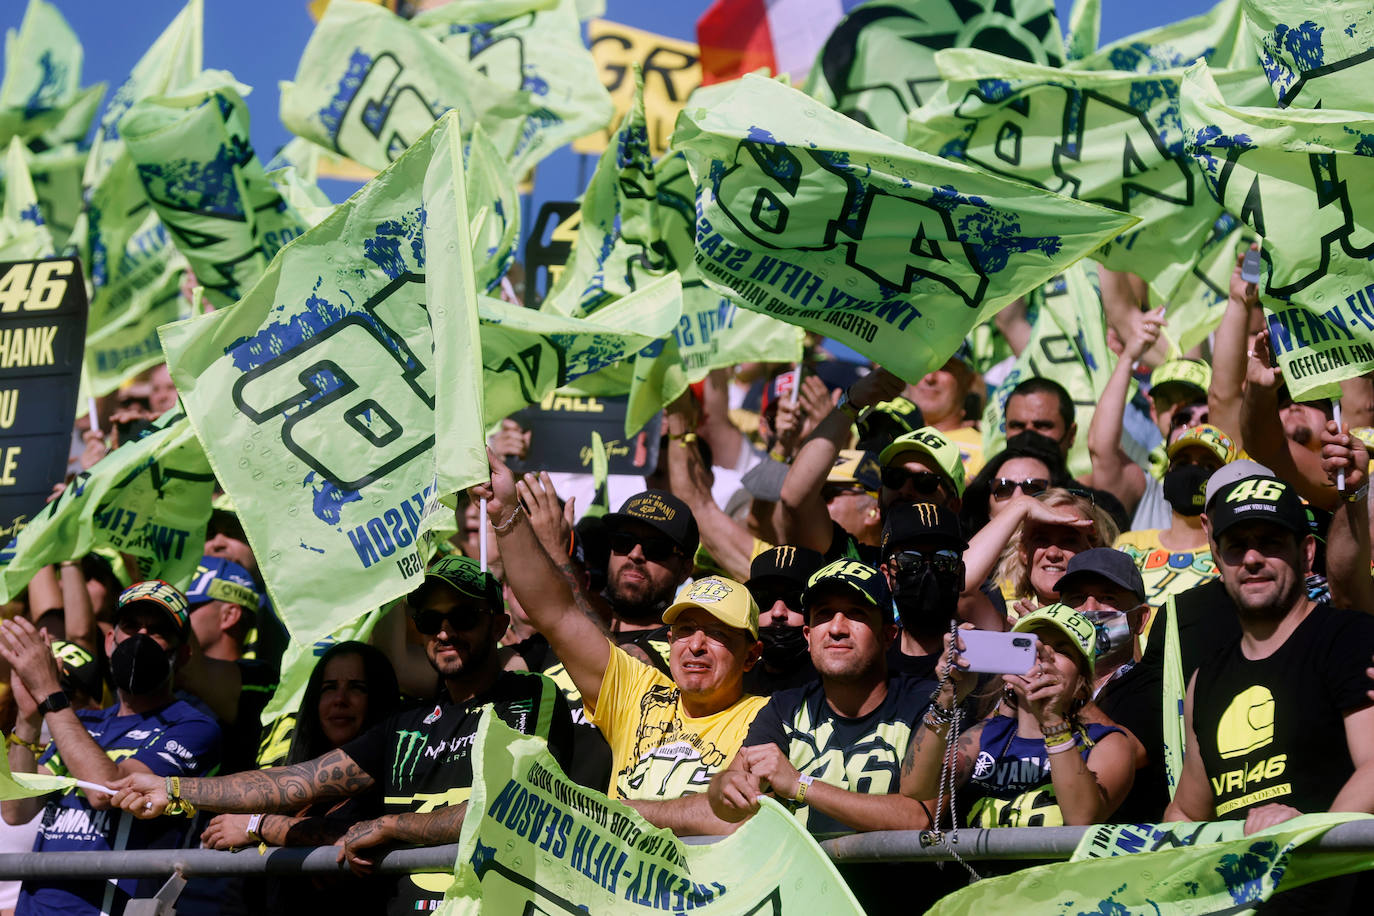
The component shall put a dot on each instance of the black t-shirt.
(1272, 729)
(1207, 625)
(653, 643)
(421, 755)
(917, 666)
(860, 755)
(844, 546)
(1134, 701)
(591, 755)
(761, 682)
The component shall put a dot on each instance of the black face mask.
(1185, 488)
(139, 665)
(925, 600)
(784, 648)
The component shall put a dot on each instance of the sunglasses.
(430, 622)
(946, 562)
(655, 549)
(923, 482)
(765, 598)
(1006, 487)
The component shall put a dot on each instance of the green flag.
(369, 81)
(1304, 181)
(149, 498)
(194, 158)
(493, 210)
(816, 220)
(1198, 301)
(1110, 138)
(14, 786)
(134, 269)
(1217, 36)
(42, 80)
(1317, 55)
(23, 233)
(340, 397)
(1068, 344)
(1166, 870)
(1085, 28)
(878, 65)
(582, 851)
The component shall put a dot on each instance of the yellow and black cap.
(854, 577)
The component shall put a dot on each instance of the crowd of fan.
(780, 608)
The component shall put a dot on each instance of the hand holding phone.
(1250, 266)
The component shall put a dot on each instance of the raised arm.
(985, 547)
(277, 790)
(543, 585)
(925, 753)
(1112, 469)
(1229, 343)
(729, 543)
(1347, 538)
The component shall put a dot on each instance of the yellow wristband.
(38, 749)
(803, 783)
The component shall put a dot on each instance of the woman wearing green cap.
(1047, 756)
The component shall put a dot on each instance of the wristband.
(1054, 741)
(37, 749)
(1062, 746)
(175, 803)
(57, 700)
(254, 828)
(803, 783)
(1358, 495)
(1063, 728)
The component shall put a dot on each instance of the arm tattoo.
(433, 828)
(279, 789)
(565, 569)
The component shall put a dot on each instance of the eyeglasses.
(1006, 487)
(430, 622)
(923, 482)
(1084, 494)
(655, 549)
(765, 598)
(946, 562)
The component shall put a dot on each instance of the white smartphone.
(990, 652)
(1250, 266)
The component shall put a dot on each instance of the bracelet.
(1053, 741)
(1358, 495)
(942, 714)
(253, 828)
(934, 722)
(175, 803)
(1063, 728)
(38, 749)
(510, 522)
(803, 783)
(1062, 746)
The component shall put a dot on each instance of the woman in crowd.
(1023, 467)
(351, 688)
(1047, 756)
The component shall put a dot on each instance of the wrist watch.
(847, 407)
(53, 702)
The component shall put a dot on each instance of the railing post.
(163, 903)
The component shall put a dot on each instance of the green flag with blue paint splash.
(192, 153)
(811, 218)
(1177, 869)
(23, 233)
(1303, 180)
(1218, 37)
(149, 498)
(340, 399)
(370, 82)
(1317, 55)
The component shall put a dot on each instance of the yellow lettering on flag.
(671, 71)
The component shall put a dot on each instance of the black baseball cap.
(663, 512)
(793, 565)
(1111, 564)
(859, 579)
(466, 577)
(908, 522)
(1257, 498)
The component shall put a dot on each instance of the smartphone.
(991, 652)
(1250, 267)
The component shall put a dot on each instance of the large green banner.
(149, 499)
(878, 65)
(536, 842)
(809, 217)
(1217, 36)
(1317, 55)
(1110, 138)
(194, 158)
(1177, 869)
(370, 82)
(340, 399)
(1303, 180)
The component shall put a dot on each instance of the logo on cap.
(784, 556)
(708, 591)
(1264, 489)
(650, 507)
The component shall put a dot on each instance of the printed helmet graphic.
(1247, 723)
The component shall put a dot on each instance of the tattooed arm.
(433, 828)
(925, 756)
(279, 789)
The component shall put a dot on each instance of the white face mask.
(1114, 638)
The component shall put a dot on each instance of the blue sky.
(260, 41)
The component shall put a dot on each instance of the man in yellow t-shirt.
(668, 735)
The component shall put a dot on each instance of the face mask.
(139, 665)
(784, 648)
(1184, 488)
(1114, 643)
(925, 601)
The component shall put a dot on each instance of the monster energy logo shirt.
(858, 755)
(421, 756)
(1272, 730)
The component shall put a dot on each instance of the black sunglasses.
(655, 549)
(1006, 487)
(765, 597)
(923, 482)
(946, 562)
(430, 622)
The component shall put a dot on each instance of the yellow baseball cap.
(724, 599)
(1207, 436)
(931, 442)
(1080, 630)
(1188, 373)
